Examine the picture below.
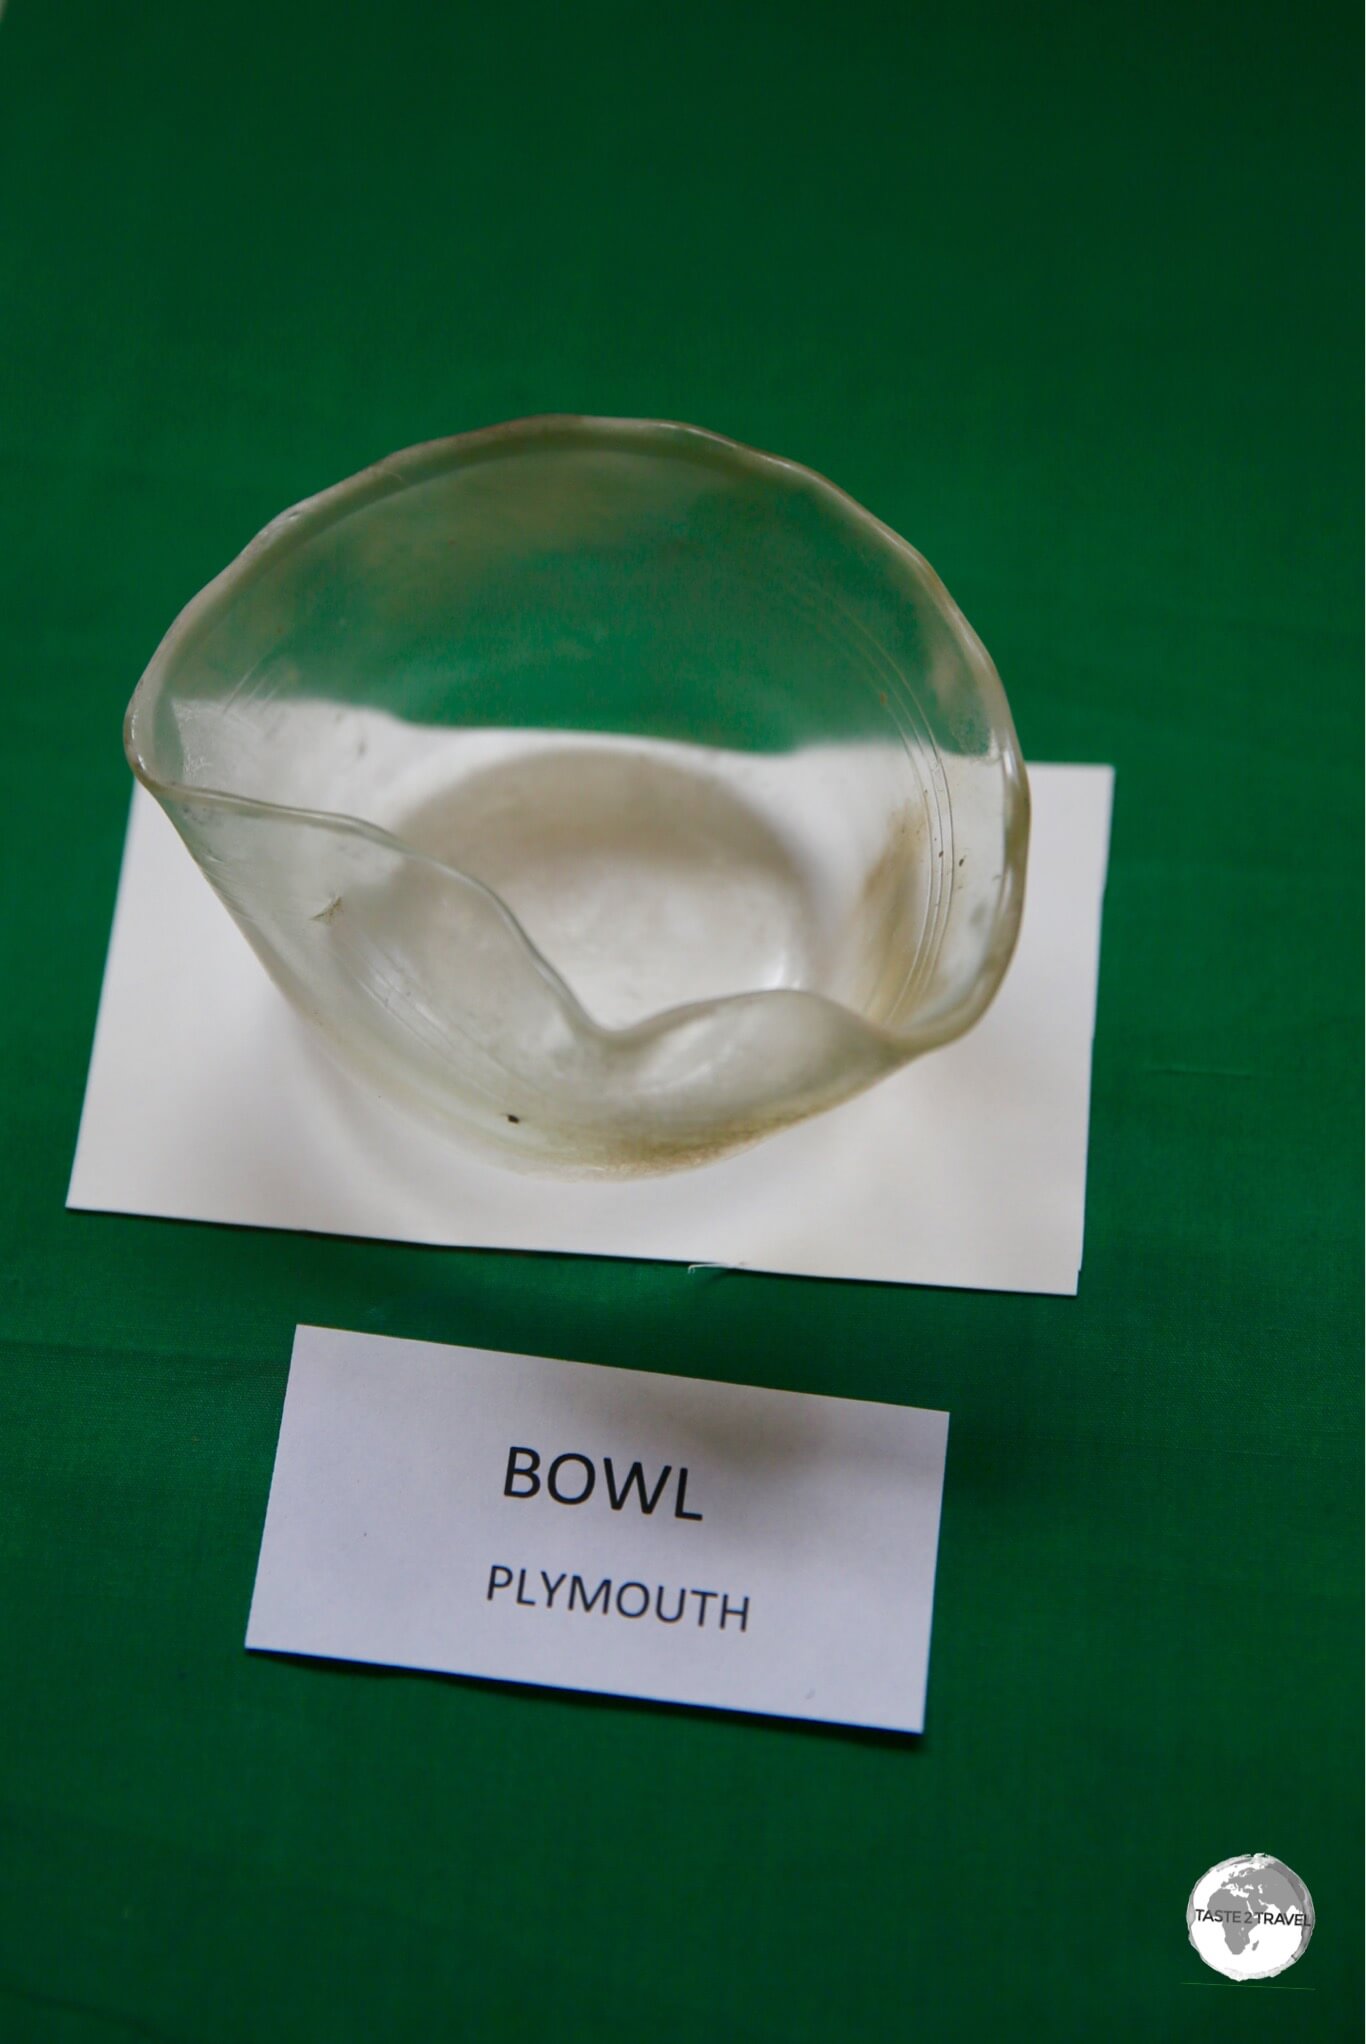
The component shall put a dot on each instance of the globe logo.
(1250, 1917)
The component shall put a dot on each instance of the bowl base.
(647, 881)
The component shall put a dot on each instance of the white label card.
(588, 1528)
(208, 1100)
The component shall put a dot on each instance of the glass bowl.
(603, 790)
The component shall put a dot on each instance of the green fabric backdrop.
(1070, 298)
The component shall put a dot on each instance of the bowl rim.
(413, 465)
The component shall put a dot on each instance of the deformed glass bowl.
(606, 791)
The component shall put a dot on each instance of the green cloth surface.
(1071, 298)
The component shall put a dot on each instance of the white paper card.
(590, 1528)
(207, 1100)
